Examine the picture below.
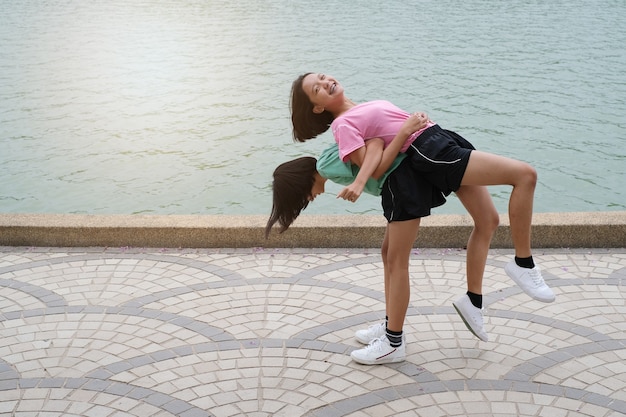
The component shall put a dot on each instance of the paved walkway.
(253, 332)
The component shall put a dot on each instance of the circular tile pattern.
(230, 332)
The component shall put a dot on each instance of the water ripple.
(182, 108)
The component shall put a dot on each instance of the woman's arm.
(415, 122)
(374, 161)
(367, 157)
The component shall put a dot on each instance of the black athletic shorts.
(407, 195)
(441, 156)
(434, 168)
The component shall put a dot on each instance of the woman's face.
(318, 186)
(323, 90)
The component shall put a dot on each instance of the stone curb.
(550, 230)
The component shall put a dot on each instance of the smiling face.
(324, 92)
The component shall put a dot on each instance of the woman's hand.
(352, 192)
(415, 122)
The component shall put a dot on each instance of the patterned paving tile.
(267, 332)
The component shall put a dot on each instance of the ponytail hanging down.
(293, 182)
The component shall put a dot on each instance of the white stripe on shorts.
(432, 160)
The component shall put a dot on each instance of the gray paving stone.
(195, 412)
(357, 403)
(501, 385)
(525, 387)
(139, 393)
(52, 383)
(478, 384)
(73, 383)
(294, 343)
(158, 399)
(183, 350)
(177, 407)
(33, 313)
(6, 375)
(619, 406)
(388, 394)
(100, 374)
(96, 385)
(337, 348)
(28, 382)
(411, 390)
(206, 347)
(229, 345)
(454, 385)
(11, 315)
(598, 399)
(271, 343)
(118, 367)
(140, 361)
(551, 390)
(575, 393)
(119, 389)
(8, 384)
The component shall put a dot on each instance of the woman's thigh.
(478, 203)
(489, 169)
(400, 237)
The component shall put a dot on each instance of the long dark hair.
(293, 182)
(306, 124)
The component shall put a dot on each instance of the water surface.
(169, 107)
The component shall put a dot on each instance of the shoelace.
(478, 318)
(535, 275)
(376, 344)
(373, 329)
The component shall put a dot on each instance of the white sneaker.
(378, 352)
(375, 331)
(471, 316)
(530, 281)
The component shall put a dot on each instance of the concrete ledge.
(553, 230)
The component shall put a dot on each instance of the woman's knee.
(383, 254)
(492, 221)
(384, 249)
(527, 175)
(396, 263)
(487, 222)
(398, 244)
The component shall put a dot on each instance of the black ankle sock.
(386, 321)
(395, 338)
(525, 262)
(476, 299)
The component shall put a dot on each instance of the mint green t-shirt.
(330, 166)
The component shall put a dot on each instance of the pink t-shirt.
(373, 119)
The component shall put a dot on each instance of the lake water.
(172, 107)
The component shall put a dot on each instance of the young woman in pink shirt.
(450, 164)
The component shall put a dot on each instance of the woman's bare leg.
(384, 250)
(365, 336)
(479, 205)
(396, 251)
(488, 169)
(400, 239)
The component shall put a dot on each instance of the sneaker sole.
(544, 300)
(375, 362)
(467, 324)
